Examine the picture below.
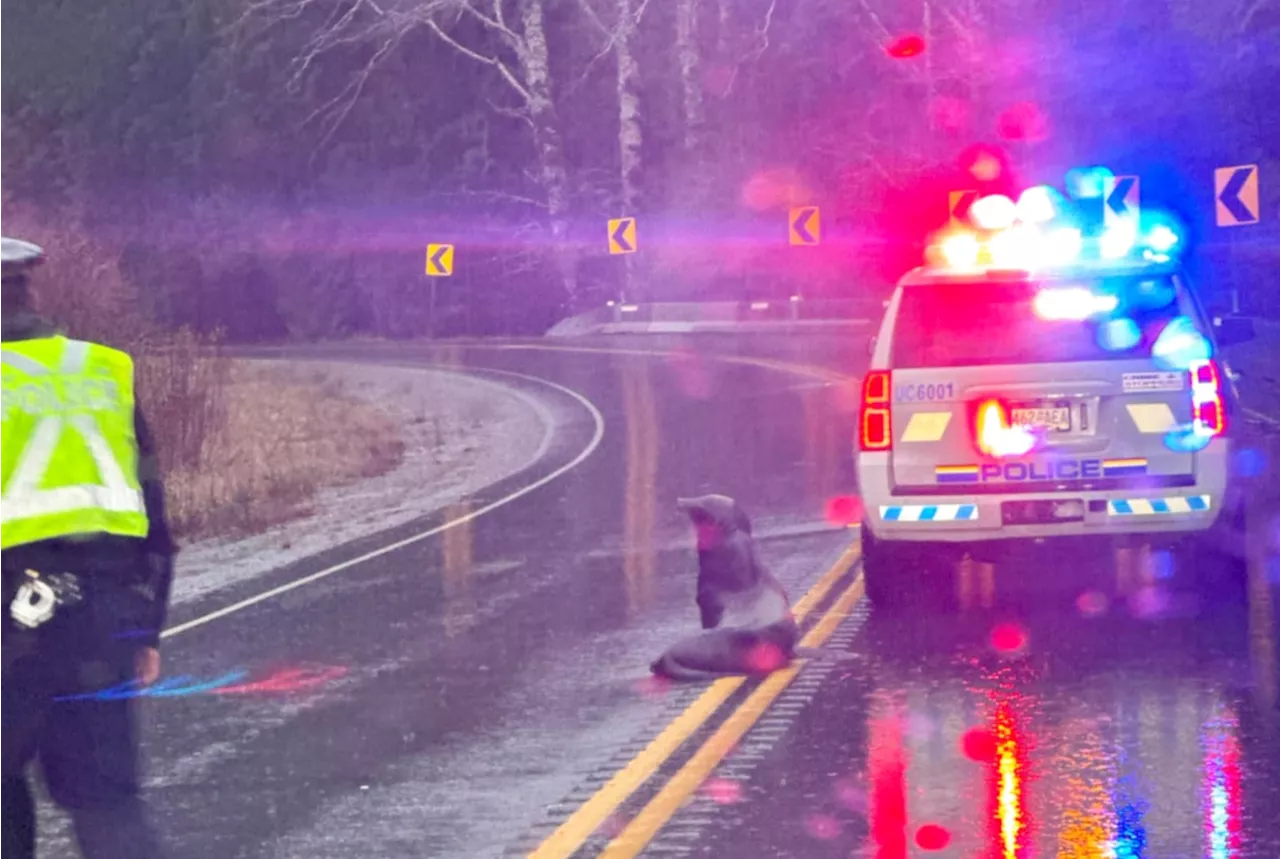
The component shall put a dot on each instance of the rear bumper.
(963, 518)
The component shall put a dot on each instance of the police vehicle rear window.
(1012, 322)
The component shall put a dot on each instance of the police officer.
(87, 561)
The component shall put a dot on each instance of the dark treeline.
(275, 168)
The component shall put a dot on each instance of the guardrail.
(716, 316)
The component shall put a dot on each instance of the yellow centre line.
(571, 834)
(641, 830)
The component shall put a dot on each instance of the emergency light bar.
(1035, 232)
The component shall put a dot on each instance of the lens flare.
(994, 435)
(1037, 205)
(1009, 638)
(1092, 604)
(905, 47)
(1161, 239)
(1118, 240)
(844, 510)
(978, 745)
(993, 212)
(1072, 303)
(765, 657)
(1180, 345)
(722, 791)
(1119, 335)
(1017, 247)
(1088, 182)
(1250, 462)
(961, 251)
(822, 826)
(931, 836)
(1062, 246)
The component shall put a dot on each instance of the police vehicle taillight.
(1209, 414)
(876, 429)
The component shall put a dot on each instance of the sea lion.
(750, 628)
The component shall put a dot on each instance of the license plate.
(1043, 418)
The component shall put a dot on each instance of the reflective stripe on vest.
(70, 454)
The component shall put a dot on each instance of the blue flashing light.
(1185, 439)
(1088, 182)
(1117, 241)
(1119, 335)
(1180, 344)
(1153, 294)
(1161, 239)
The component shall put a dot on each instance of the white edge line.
(594, 443)
(1257, 415)
(543, 413)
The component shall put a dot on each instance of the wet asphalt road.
(436, 699)
(1132, 733)
(463, 694)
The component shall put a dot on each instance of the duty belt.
(41, 594)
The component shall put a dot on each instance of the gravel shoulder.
(461, 433)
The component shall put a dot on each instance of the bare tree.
(689, 57)
(513, 46)
(620, 39)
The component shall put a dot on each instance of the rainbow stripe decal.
(1124, 467)
(956, 474)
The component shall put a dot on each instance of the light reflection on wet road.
(489, 680)
(1032, 728)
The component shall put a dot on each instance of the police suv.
(1024, 388)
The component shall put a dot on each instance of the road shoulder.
(481, 432)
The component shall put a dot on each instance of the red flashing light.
(876, 425)
(1209, 414)
(905, 47)
(1206, 374)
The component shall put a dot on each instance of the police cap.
(17, 256)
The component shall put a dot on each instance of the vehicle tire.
(888, 571)
(1217, 559)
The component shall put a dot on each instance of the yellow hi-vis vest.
(69, 449)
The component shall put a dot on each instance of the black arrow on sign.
(437, 258)
(620, 234)
(963, 204)
(1230, 196)
(801, 226)
(1115, 200)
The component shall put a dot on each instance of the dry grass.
(276, 437)
(241, 449)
